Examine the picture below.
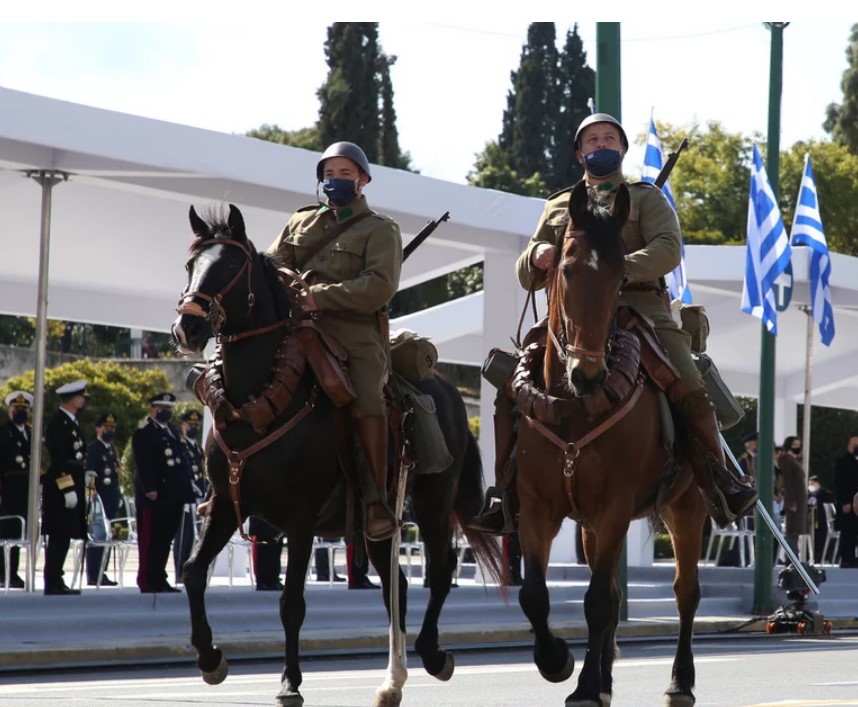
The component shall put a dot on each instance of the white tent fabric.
(119, 236)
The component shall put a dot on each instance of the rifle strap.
(336, 232)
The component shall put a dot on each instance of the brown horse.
(604, 468)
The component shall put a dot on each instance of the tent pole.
(47, 180)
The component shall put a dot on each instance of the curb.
(332, 642)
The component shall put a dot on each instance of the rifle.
(425, 232)
(668, 166)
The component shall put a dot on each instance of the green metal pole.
(608, 101)
(763, 537)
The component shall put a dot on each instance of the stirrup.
(495, 516)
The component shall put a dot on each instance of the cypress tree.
(389, 151)
(575, 85)
(349, 98)
(842, 119)
(528, 122)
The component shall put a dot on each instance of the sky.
(451, 77)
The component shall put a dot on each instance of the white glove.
(71, 499)
(89, 479)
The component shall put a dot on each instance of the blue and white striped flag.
(807, 230)
(677, 281)
(768, 251)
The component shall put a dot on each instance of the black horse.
(234, 293)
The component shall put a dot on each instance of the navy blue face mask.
(108, 435)
(192, 432)
(20, 417)
(163, 415)
(603, 162)
(339, 191)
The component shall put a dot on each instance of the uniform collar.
(358, 206)
(73, 418)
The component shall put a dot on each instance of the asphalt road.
(731, 672)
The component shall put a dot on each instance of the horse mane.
(603, 234)
(216, 220)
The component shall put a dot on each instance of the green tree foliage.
(576, 83)
(528, 121)
(390, 153)
(492, 171)
(548, 99)
(115, 388)
(710, 182)
(835, 170)
(842, 118)
(306, 138)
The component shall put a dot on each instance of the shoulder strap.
(336, 232)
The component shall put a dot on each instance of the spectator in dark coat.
(845, 490)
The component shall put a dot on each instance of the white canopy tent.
(119, 234)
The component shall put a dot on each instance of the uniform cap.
(73, 388)
(19, 397)
(165, 399)
(344, 149)
(107, 418)
(751, 437)
(600, 118)
(192, 416)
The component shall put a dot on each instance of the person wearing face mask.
(63, 486)
(183, 543)
(354, 258)
(15, 437)
(653, 249)
(794, 484)
(102, 464)
(846, 504)
(162, 488)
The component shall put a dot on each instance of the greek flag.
(677, 282)
(768, 251)
(807, 230)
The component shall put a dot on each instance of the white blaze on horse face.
(593, 260)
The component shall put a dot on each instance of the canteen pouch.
(499, 367)
(696, 323)
(329, 366)
(412, 356)
(727, 409)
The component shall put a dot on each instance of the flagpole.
(763, 540)
(808, 384)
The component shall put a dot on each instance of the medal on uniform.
(168, 452)
(78, 455)
(107, 482)
(170, 462)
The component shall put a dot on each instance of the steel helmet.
(344, 149)
(600, 118)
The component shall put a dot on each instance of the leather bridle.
(215, 313)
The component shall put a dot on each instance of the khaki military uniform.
(358, 274)
(653, 249)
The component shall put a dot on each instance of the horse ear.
(578, 202)
(198, 226)
(236, 223)
(622, 204)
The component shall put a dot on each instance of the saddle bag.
(499, 367)
(727, 409)
(433, 456)
(412, 356)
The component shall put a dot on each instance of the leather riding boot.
(372, 477)
(496, 516)
(726, 498)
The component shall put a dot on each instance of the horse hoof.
(605, 698)
(563, 674)
(589, 703)
(289, 699)
(218, 675)
(679, 700)
(447, 671)
(387, 698)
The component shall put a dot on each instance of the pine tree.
(390, 154)
(842, 119)
(576, 84)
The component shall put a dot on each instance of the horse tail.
(469, 499)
